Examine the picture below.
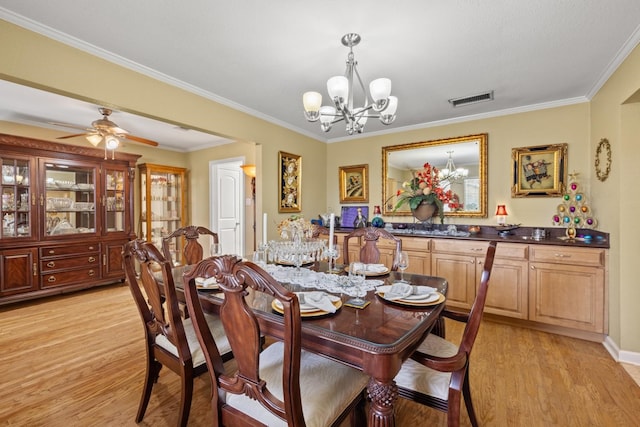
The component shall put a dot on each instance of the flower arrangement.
(295, 227)
(426, 187)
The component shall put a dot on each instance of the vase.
(424, 211)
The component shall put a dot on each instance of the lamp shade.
(380, 89)
(327, 114)
(312, 101)
(249, 170)
(111, 142)
(94, 139)
(392, 106)
(338, 86)
(501, 211)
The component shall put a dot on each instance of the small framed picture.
(539, 171)
(354, 216)
(354, 184)
(290, 177)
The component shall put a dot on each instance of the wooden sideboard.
(552, 287)
(66, 214)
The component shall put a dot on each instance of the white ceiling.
(261, 56)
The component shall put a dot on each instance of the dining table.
(375, 339)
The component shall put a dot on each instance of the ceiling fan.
(105, 130)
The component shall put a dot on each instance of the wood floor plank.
(78, 360)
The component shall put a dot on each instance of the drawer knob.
(51, 252)
(92, 259)
(51, 279)
(51, 264)
(92, 273)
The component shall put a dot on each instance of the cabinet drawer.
(465, 247)
(86, 260)
(512, 251)
(70, 277)
(565, 255)
(82, 248)
(415, 244)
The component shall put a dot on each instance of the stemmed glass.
(333, 254)
(402, 259)
(357, 278)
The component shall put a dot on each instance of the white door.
(227, 209)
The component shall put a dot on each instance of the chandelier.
(341, 92)
(450, 172)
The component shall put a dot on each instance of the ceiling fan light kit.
(380, 105)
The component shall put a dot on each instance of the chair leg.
(466, 392)
(151, 377)
(185, 398)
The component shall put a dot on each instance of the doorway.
(226, 184)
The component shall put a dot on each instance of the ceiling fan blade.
(69, 125)
(71, 136)
(139, 139)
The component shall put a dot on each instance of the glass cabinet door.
(163, 210)
(70, 198)
(115, 200)
(16, 209)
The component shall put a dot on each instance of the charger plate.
(306, 312)
(414, 303)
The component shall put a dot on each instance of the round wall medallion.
(603, 159)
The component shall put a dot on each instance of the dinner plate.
(292, 264)
(209, 284)
(370, 273)
(435, 298)
(306, 310)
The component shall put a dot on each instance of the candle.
(331, 221)
(264, 228)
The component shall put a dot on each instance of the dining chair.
(369, 252)
(281, 385)
(319, 230)
(192, 252)
(438, 371)
(170, 340)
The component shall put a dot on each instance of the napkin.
(403, 290)
(376, 268)
(320, 300)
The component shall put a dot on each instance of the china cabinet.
(66, 213)
(162, 204)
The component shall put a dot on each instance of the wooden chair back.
(369, 252)
(192, 251)
(318, 230)
(235, 277)
(161, 319)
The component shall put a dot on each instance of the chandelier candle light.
(341, 92)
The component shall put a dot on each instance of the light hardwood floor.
(78, 360)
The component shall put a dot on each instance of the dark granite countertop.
(553, 235)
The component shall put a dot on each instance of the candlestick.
(264, 228)
(331, 221)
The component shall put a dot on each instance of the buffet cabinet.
(66, 214)
(556, 288)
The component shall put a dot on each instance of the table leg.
(383, 395)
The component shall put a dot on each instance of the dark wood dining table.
(375, 340)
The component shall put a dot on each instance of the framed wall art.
(290, 176)
(539, 171)
(354, 184)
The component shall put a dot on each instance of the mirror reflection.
(462, 162)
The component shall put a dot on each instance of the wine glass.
(357, 278)
(333, 254)
(402, 259)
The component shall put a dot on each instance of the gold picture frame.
(539, 171)
(290, 178)
(354, 184)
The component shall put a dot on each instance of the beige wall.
(568, 124)
(616, 116)
(40, 62)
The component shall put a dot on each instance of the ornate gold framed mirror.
(466, 159)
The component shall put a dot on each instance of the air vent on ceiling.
(487, 96)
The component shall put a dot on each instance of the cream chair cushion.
(325, 387)
(415, 376)
(197, 356)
